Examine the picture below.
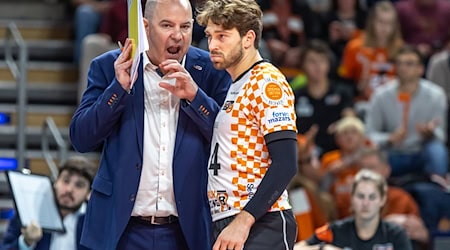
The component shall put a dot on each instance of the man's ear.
(88, 196)
(146, 23)
(249, 39)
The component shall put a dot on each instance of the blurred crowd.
(372, 86)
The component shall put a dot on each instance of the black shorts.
(273, 231)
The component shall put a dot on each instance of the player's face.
(225, 46)
(367, 201)
(169, 33)
(71, 190)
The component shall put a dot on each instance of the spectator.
(72, 189)
(312, 207)
(408, 117)
(424, 24)
(366, 61)
(88, 16)
(366, 230)
(400, 208)
(338, 167)
(322, 101)
(287, 25)
(345, 21)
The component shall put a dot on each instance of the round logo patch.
(273, 94)
(273, 91)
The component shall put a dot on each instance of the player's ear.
(249, 39)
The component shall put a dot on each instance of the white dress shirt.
(155, 195)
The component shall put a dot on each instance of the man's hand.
(233, 236)
(397, 136)
(185, 87)
(122, 66)
(32, 233)
(426, 130)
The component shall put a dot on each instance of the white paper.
(35, 200)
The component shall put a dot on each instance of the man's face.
(71, 190)
(169, 33)
(316, 66)
(225, 46)
(408, 67)
(373, 162)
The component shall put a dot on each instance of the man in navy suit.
(150, 190)
(72, 189)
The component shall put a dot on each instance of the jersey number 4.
(213, 165)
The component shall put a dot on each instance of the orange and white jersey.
(259, 103)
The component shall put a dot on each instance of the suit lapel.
(138, 106)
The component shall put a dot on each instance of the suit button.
(132, 197)
(138, 166)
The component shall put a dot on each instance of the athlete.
(254, 148)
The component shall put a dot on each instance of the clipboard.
(35, 199)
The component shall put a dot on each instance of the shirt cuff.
(23, 245)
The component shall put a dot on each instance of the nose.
(176, 34)
(211, 44)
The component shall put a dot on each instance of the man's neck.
(250, 57)
(409, 87)
(318, 89)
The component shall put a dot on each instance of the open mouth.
(174, 50)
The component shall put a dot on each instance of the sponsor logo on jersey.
(227, 106)
(280, 115)
(218, 201)
(273, 93)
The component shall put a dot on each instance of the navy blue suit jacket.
(11, 239)
(111, 117)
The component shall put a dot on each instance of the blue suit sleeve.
(101, 107)
(11, 238)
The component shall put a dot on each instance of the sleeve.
(101, 107)
(322, 234)
(400, 239)
(23, 245)
(374, 121)
(11, 237)
(283, 153)
(205, 106)
(440, 114)
(346, 69)
(436, 70)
